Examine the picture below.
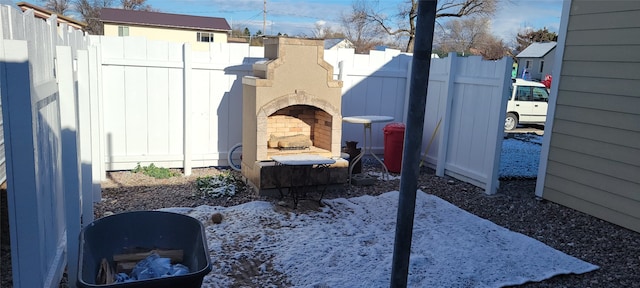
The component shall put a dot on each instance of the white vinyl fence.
(72, 111)
(465, 98)
(145, 100)
(43, 164)
(464, 113)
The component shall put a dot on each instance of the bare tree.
(364, 34)
(470, 36)
(460, 35)
(140, 5)
(405, 19)
(89, 10)
(322, 31)
(492, 48)
(319, 29)
(61, 7)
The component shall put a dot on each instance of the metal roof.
(146, 18)
(537, 50)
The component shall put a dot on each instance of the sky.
(349, 242)
(295, 17)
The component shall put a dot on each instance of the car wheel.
(511, 122)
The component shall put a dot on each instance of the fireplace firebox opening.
(299, 127)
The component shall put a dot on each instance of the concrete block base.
(266, 175)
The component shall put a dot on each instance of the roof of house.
(537, 50)
(44, 14)
(330, 42)
(146, 18)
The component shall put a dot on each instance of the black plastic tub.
(117, 234)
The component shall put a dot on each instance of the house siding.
(593, 163)
(548, 64)
(534, 70)
(167, 34)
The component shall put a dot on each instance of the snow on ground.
(350, 244)
(520, 156)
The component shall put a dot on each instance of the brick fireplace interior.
(306, 121)
(291, 105)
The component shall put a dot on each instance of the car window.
(524, 93)
(540, 94)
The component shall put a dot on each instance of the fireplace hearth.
(291, 105)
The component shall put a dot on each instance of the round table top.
(367, 119)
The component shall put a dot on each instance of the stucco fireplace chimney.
(292, 95)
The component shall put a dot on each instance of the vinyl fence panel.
(472, 116)
(373, 84)
(462, 120)
(145, 92)
(142, 100)
(70, 154)
(44, 214)
(35, 193)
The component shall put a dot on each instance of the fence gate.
(37, 215)
(37, 82)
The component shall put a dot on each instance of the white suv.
(527, 104)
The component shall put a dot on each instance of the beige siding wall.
(594, 155)
(167, 34)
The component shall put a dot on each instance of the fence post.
(443, 146)
(503, 66)
(97, 139)
(84, 130)
(186, 89)
(52, 21)
(69, 124)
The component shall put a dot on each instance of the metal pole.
(413, 141)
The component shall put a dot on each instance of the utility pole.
(264, 18)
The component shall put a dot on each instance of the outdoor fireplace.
(291, 105)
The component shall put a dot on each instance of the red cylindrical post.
(393, 145)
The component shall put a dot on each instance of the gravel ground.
(616, 250)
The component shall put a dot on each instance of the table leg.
(384, 167)
(300, 180)
(367, 149)
(295, 189)
(304, 176)
(324, 168)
